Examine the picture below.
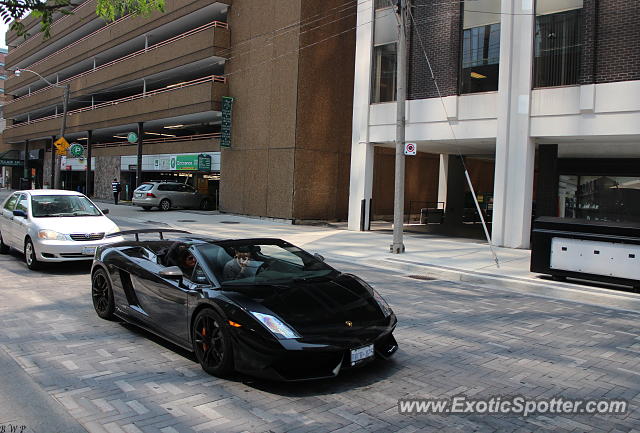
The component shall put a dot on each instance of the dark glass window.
(558, 49)
(480, 58)
(384, 73)
(600, 198)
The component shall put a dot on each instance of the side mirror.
(105, 211)
(20, 213)
(171, 273)
(319, 257)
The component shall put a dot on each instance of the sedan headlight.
(51, 235)
(275, 325)
(386, 309)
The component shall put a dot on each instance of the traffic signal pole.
(397, 247)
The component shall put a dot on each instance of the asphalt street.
(62, 363)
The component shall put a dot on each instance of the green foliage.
(112, 9)
(44, 10)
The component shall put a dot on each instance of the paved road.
(454, 339)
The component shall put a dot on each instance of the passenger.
(238, 266)
(186, 262)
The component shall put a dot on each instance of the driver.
(239, 265)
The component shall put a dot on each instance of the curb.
(583, 294)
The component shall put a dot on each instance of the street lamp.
(65, 103)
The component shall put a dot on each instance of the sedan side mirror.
(319, 257)
(105, 211)
(171, 273)
(20, 213)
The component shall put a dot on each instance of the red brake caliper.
(204, 345)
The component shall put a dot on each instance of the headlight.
(275, 325)
(115, 229)
(51, 235)
(386, 309)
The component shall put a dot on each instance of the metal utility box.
(592, 250)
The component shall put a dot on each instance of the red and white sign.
(409, 148)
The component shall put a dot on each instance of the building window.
(558, 42)
(480, 46)
(385, 45)
(384, 73)
(600, 198)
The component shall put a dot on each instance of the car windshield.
(62, 206)
(239, 262)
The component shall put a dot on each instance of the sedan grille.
(87, 236)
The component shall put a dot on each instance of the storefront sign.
(225, 131)
(132, 137)
(174, 162)
(76, 164)
(10, 162)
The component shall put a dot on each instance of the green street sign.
(76, 150)
(187, 162)
(204, 162)
(132, 137)
(225, 129)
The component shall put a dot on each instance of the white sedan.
(53, 226)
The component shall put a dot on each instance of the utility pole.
(397, 247)
(63, 126)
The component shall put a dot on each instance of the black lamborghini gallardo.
(259, 306)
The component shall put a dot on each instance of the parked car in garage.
(53, 226)
(168, 195)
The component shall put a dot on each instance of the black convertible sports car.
(259, 306)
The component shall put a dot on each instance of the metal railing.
(196, 137)
(211, 78)
(212, 24)
(56, 23)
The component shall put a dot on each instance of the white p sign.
(409, 148)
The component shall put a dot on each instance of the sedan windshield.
(62, 206)
(240, 262)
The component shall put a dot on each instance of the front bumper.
(68, 251)
(301, 359)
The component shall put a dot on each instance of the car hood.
(80, 224)
(318, 306)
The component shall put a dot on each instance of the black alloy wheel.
(165, 204)
(102, 294)
(204, 204)
(211, 343)
(4, 248)
(30, 256)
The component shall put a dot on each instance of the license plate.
(138, 194)
(89, 251)
(361, 353)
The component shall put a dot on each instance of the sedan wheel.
(102, 294)
(165, 204)
(4, 248)
(211, 343)
(204, 204)
(30, 256)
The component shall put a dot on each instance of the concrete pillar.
(442, 181)
(361, 175)
(515, 150)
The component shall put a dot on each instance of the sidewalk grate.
(229, 222)
(187, 221)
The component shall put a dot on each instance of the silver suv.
(167, 195)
